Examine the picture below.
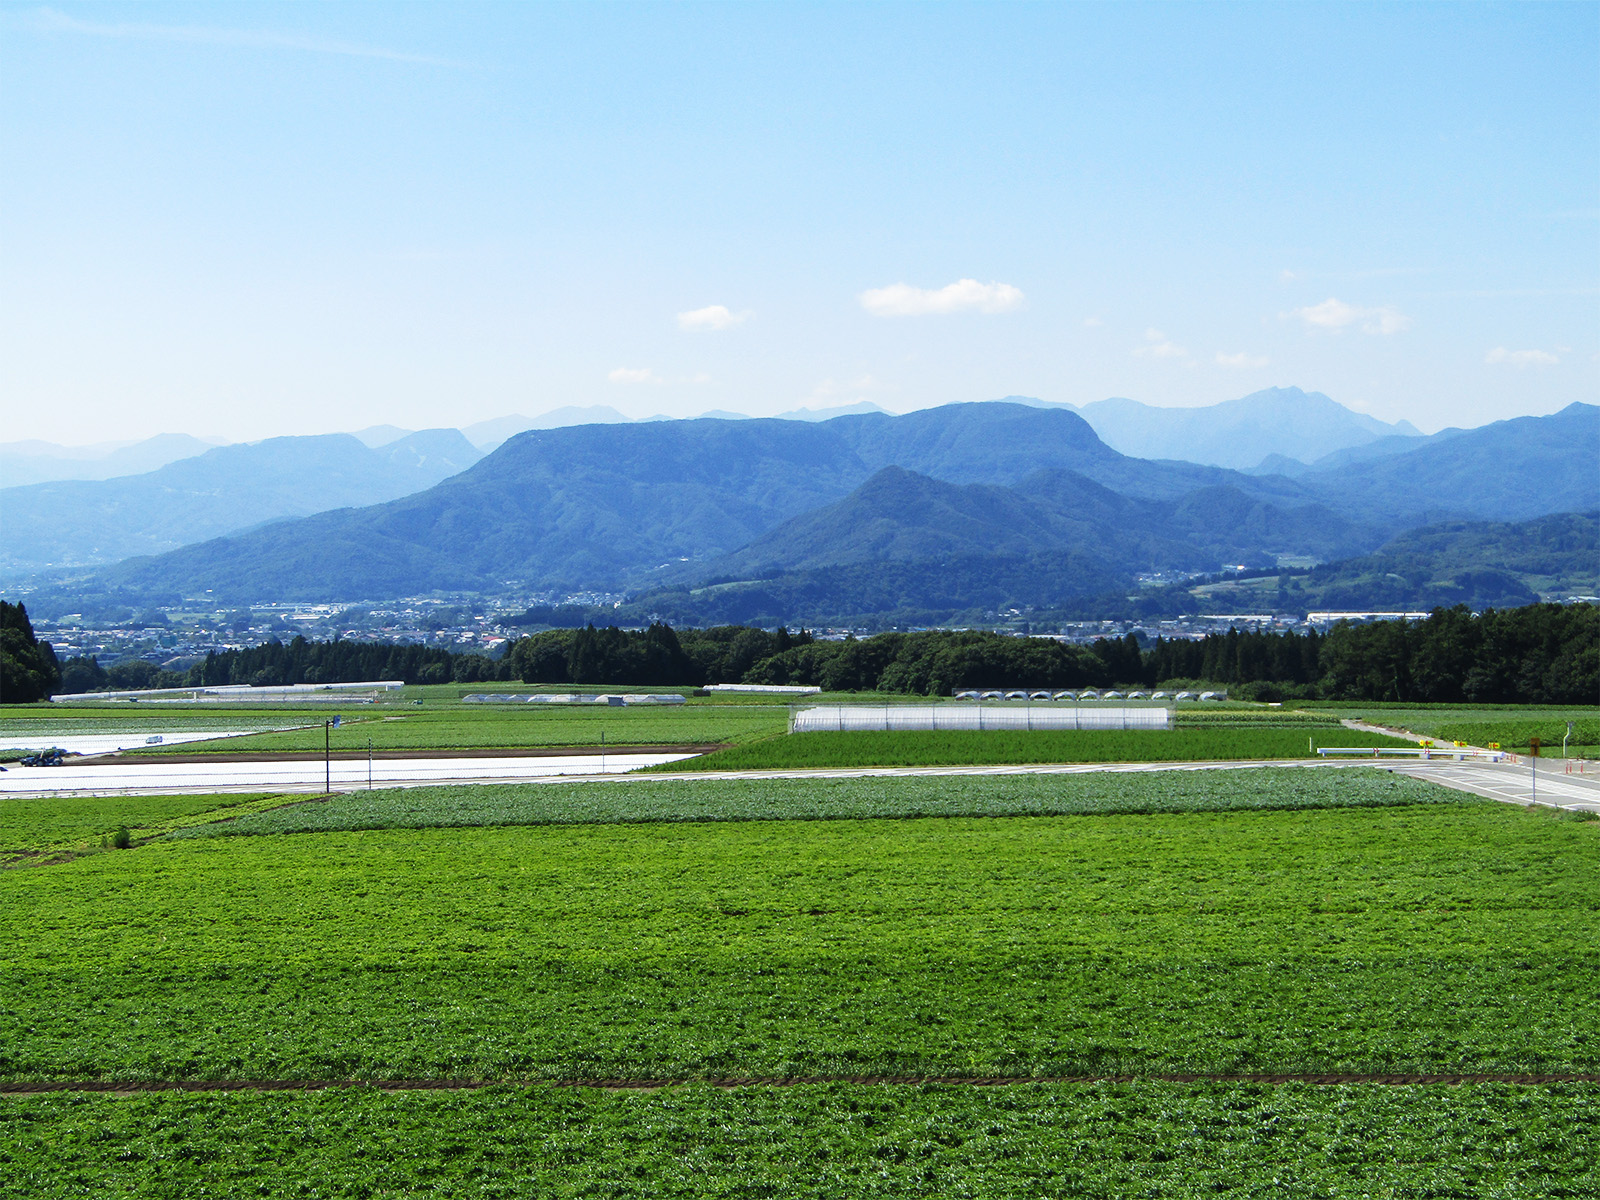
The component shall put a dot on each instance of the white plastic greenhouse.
(843, 717)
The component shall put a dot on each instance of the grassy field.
(900, 748)
(1449, 937)
(692, 799)
(825, 1141)
(34, 827)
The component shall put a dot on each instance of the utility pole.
(327, 758)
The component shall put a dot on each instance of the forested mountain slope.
(638, 506)
(1508, 471)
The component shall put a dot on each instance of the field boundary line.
(1330, 1078)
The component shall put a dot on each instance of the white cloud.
(1092, 322)
(903, 300)
(1157, 346)
(1240, 360)
(1337, 316)
(712, 317)
(48, 20)
(1521, 358)
(633, 375)
(856, 389)
(1288, 276)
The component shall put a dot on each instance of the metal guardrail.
(1453, 753)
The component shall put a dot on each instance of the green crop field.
(440, 723)
(1519, 734)
(62, 720)
(688, 798)
(1443, 937)
(46, 826)
(1269, 920)
(509, 726)
(907, 748)
(824, 1141)
(1191, 716)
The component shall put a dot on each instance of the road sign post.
(1533, 766)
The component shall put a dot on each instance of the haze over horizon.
(267, 219)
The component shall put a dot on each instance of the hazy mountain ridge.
(23, 463)
(1518, 469)
(580, 505)
(226, 489)
(1298, 425)
(645, 505)
(613, 505)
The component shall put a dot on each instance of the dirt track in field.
(133, 1088)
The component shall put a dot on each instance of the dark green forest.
(28, 667)
(1537, 654)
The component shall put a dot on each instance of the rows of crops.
(825, 1141)
(1194, 716)
(902, 748)
(1425, 938)
(64, 720)
(525, 725)
(1298, 918)
(692, 799)
(1519, 734)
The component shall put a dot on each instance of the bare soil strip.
(130, 1088)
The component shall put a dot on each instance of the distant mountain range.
(725, 516)
(657, 504)
(1278, 423)
(43, 462)
(1510, 470)
(1483, 564)
(901, 516)
(487, 435)
(224, 490)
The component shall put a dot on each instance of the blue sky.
(246, 220)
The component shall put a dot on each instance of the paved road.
(1514, 783)
(1508, 783)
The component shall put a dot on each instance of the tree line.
(28, 667)
(1538, 654)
